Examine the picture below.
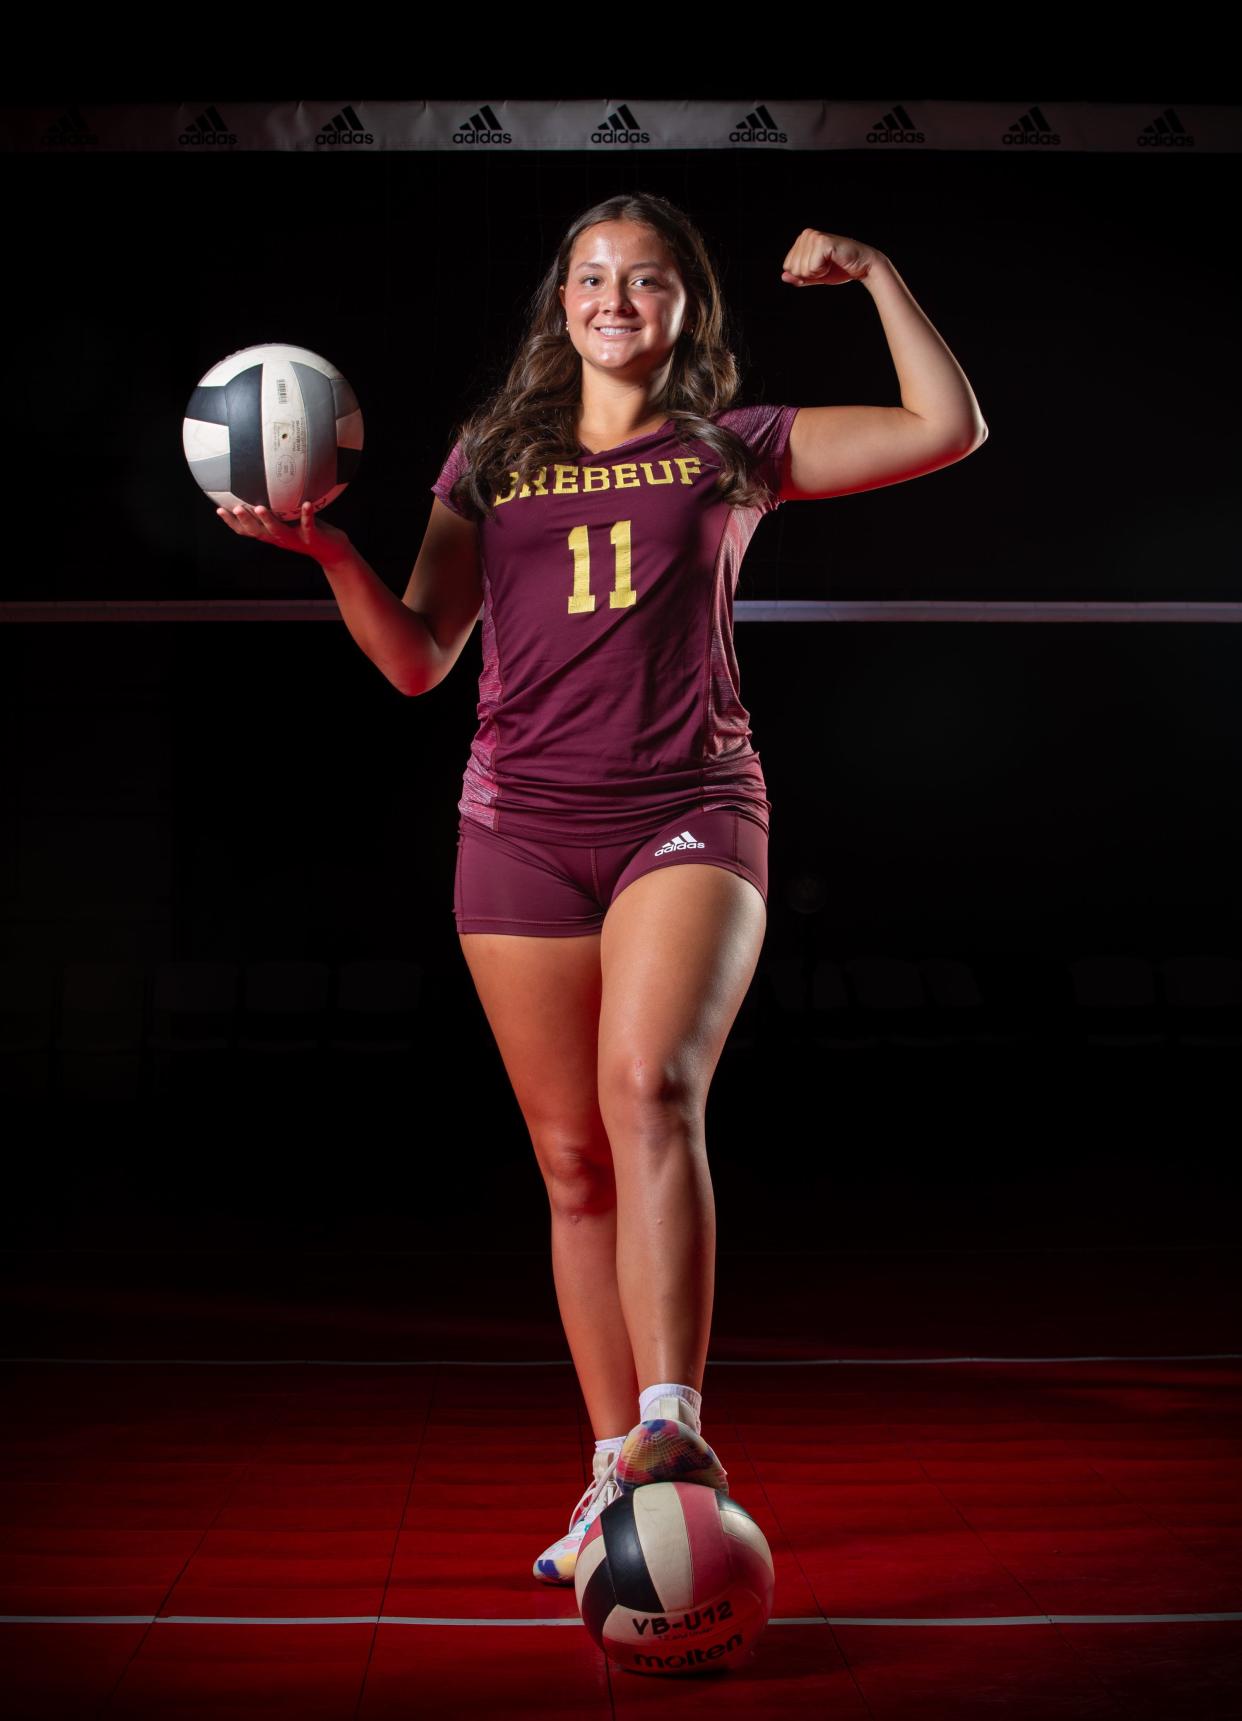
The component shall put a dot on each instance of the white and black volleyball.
(274, 424)
(674, 1578)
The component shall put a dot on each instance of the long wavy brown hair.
(531, 419)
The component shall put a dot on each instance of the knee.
(647, 1095)
(579, 1177)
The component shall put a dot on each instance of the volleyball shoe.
(555, 1565)
(667, 1447)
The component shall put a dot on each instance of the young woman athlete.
(611, 883)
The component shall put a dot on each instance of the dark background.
(1016, 798)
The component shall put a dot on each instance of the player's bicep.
(837, 450)
(446, 586)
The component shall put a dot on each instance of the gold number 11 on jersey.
(622, 594)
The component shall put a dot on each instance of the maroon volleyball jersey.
(609, 698)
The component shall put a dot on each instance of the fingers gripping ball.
(275, 425)
(674, 1578)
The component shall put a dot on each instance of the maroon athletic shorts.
(559, 890)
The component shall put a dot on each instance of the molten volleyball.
(274, 424)
(674, 1578)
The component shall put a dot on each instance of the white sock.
(613, 1443)
(670, 1389)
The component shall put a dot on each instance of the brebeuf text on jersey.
(573, 480)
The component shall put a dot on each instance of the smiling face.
(622, 277)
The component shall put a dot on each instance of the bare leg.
(666, 1257)
(679, 949)
(584, 1266)
(541, 997)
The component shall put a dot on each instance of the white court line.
(436, 1619)
(567, 1362)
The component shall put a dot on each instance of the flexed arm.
(836, 450)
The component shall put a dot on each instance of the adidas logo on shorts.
(684, 841)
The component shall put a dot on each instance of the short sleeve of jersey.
(765, 429)
(449, 474)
